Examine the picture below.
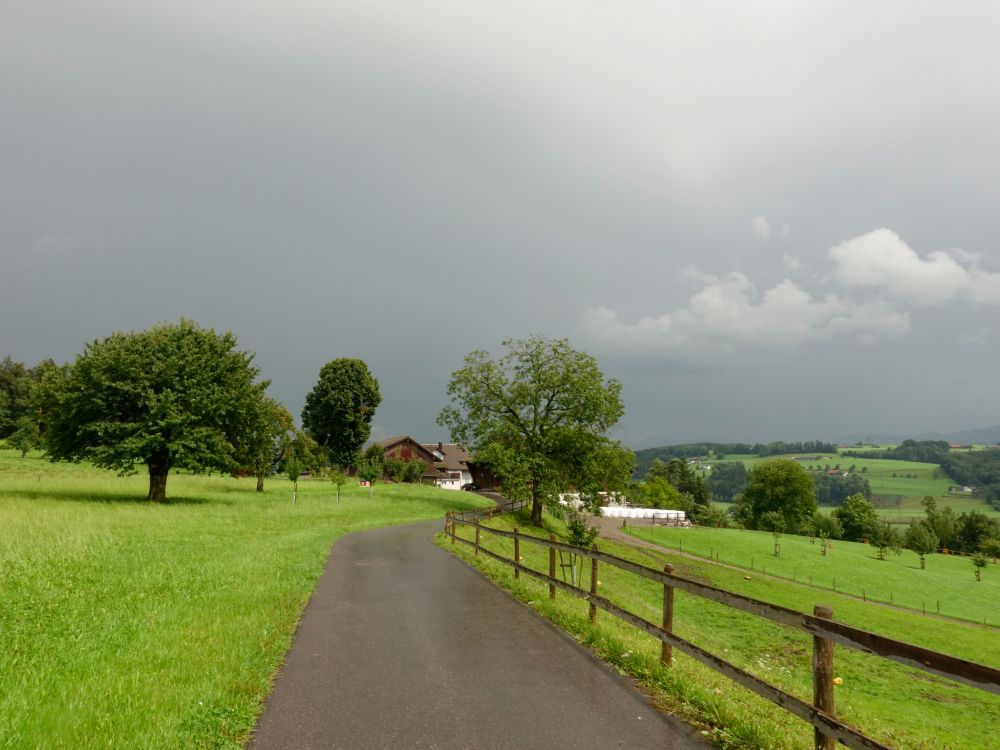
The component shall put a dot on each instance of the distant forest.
(976, 469)
(645, 457)
(924, 451)
(979, 468)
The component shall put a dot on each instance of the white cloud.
(727, 317)
(882, 260)
(791, 263)
(761, 227)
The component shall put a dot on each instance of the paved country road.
(405, 646)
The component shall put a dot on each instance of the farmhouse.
(449, 466)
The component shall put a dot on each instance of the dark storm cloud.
(405, 183)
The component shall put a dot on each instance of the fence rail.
(820, 625)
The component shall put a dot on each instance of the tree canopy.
(339, 409)
(539, 416)
(857, 517)
(177, 395)
(268, 437)
(779, 486)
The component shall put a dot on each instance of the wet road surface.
(405, 646)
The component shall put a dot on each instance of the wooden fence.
(820, 625)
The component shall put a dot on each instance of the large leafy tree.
(783, 487)
(339, 409)
(857, 517)
(539, 417)
(173, 396)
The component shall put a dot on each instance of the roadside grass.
(851, 568)
(901, 707)
(130, 624)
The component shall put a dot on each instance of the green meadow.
(947, 583)
(897, 486)
(901, 707)
(129, 624)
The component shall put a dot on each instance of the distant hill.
(869, 438)
(984, 435)
(987, 435)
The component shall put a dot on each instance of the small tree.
(415, 469)
(371, 466)
(978, 563)
(339, 478)
(293, 470)
(580, 533)
(921, 540)
(26, 435)
(395, 469)
(884, 537)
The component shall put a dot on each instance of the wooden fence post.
(552, 567)
(477, 536)
(517, 553)
(666, 650)
(593, 586)
(823, 679)
(452, 513)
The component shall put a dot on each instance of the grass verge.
(130, 624)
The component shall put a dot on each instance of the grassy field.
(948, 581)
(897, 486)
(129, 624)
(902, 708)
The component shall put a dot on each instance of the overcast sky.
(772, 220)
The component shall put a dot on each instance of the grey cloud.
(407, 182)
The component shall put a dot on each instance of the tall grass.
(129, 624)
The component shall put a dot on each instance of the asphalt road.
(405, 646)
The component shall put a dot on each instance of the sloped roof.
(397, 439)
(456, 458)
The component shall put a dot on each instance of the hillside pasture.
(125, 623)
(851, 568)
(898, 487)
(901, 707)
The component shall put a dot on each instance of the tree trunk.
(536, 507)
(159, 469)
(260, 483)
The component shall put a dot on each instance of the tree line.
(182, 396)
(921, 451)
(718, 451)
(978, 469)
